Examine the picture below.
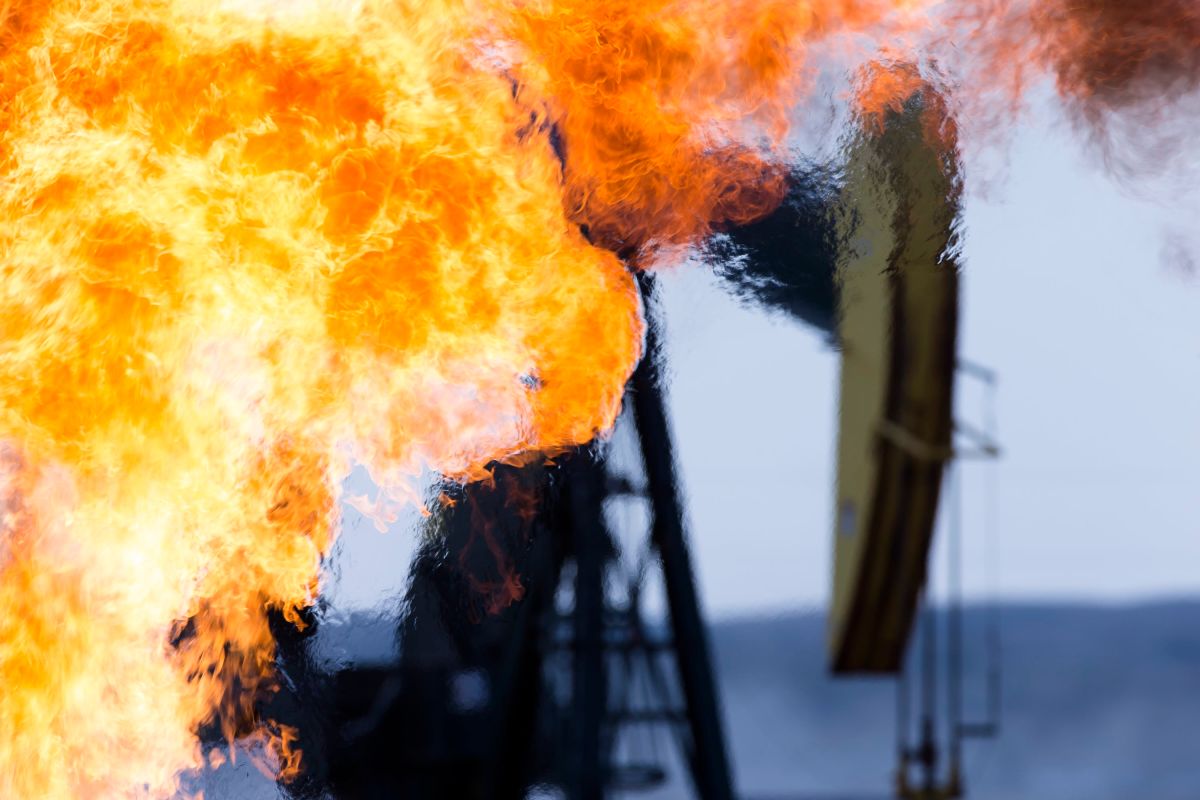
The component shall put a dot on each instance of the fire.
(674, 114)
(1106, 52)
(1128, 74)
(242, 250)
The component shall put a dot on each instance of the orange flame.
(1107, 51)
(884, 87)
(1128, 72)
(242, 250)
(673, 115)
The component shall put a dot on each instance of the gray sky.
(1097, 345)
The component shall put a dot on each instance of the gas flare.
(244, 249)
(673, 115)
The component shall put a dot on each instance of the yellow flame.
(243, 248)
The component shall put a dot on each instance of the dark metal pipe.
(709, 761)
(590, 692)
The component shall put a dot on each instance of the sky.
(1095, 338)
(1093, 334)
